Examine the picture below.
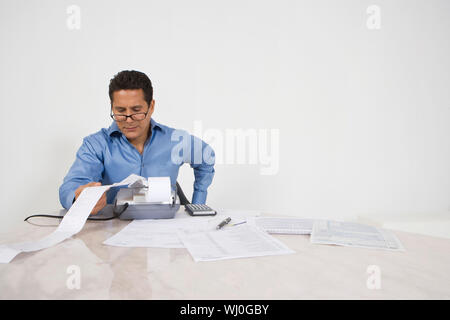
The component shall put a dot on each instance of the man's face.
(128, 102)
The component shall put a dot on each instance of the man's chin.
(131, 134)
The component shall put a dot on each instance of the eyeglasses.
(123, 117)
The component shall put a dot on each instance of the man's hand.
(101, 202)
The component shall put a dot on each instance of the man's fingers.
(81, 188)
(96, 208)
(103, 199)
(100, 204)
(90, 184)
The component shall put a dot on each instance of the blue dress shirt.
(108, 157)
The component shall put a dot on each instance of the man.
(135, 143)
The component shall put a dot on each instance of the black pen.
(223, 223)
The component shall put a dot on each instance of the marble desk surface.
(313, 272)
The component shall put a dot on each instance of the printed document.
(162, 233)
(232, 242)
(353, 234)
(282, 225)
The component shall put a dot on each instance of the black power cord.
(181, 196)
(180, 193)
(116, 215)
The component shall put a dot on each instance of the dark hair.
(130, 79)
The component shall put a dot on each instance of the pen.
(223, 223)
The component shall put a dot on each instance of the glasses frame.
(112, 115)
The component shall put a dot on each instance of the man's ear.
(152, 106)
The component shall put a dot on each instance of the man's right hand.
(101, 202)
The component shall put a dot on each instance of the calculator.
(199, 210)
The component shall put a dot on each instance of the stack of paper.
(200, 237)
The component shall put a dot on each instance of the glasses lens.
(118, 117)
(135, 117)
(138, 116)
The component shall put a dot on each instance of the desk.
(313, 272)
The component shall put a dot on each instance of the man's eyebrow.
(138, 106)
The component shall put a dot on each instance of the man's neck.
(139, 142)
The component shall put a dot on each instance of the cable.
(180, 193)
(60, 217)
(181, 196)
(116, 215)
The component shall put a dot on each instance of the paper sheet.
(71, 224)
(162, 233)
(234, 242)
(159, 233)
(353, 234)
(237, 215)
(130, 181)
(283, 225)
(159, 189)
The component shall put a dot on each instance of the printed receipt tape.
(71, 224)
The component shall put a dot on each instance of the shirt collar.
(153, 124)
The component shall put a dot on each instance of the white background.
(363, 115)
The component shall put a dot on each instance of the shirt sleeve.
(88, 167)
(202, 160)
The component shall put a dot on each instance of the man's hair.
(130, 79)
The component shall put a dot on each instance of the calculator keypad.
(199, 209)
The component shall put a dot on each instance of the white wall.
(363, 115)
